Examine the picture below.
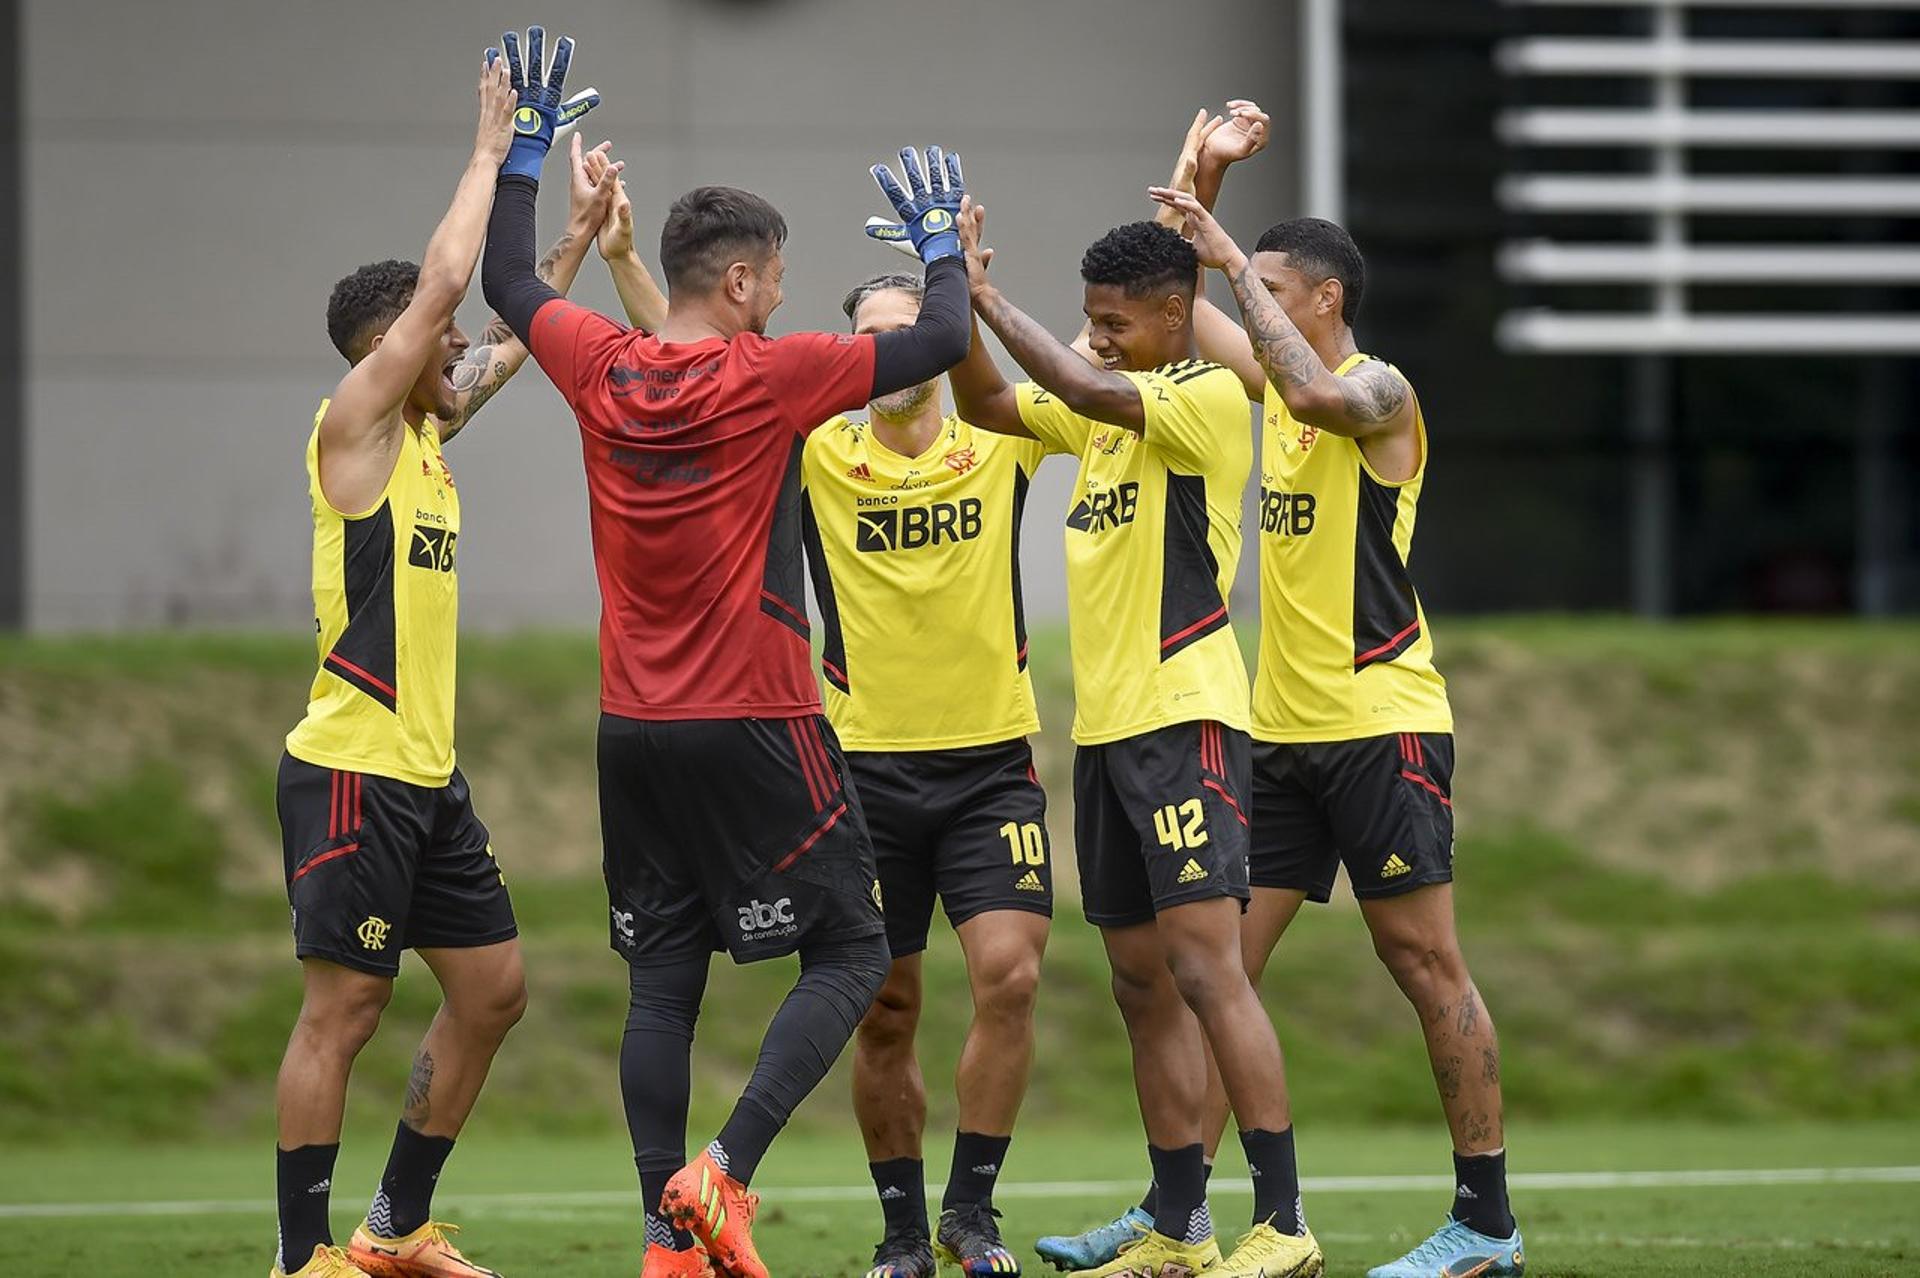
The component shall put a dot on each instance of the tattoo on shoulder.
(1373, 394)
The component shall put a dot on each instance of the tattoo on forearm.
(545, 269)
(472, 378)
(419, 1087)
(1288, 357)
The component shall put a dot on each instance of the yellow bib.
(386, 606)
(1344, 646)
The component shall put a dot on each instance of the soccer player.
(383, 849)
(912, 525)
(1353, 760)
(1161, 770)
(726, 814)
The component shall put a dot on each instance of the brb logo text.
(1105, 508)
(1286, 514)
(916, 527)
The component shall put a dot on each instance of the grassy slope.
(1687, 857)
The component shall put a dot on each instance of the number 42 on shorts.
(1181, 825)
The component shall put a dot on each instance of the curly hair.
(365, 302)
(1321, 250)
(1142, 258)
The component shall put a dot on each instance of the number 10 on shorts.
(1028, 841)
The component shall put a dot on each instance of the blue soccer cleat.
(1098, 1245)
(1455, 1251)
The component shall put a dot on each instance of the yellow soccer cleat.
(325, 1262)
(1158, 1256)
(424, 1253)
(1265, 1252)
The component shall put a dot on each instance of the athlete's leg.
(838, 981)
(1003, 949)
(889, 1094)
(1265, 921)
(339, 1010)
(656, 1078)
(484, 994)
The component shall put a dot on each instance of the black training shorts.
(734, 834)
(1383, 805)
(968, 825)
(375, 866)
(1160, 819)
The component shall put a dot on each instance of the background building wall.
(186, 218)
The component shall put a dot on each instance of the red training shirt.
(693, 473)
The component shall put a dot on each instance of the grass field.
(1689, 860)
(534, 1207)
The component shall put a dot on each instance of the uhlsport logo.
(526, 120)
(917, 527)
(759, 921)
(936, 220)
(373, 933)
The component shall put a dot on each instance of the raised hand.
(1211, 242)
(497, 100)
(1241, 136)
(927, 207)
(971, 227)
(540, 115)
(594, 175)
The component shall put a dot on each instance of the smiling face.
(1136, 333)
(433, 391)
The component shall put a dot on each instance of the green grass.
(1699, 1230)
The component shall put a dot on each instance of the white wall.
(188, 215)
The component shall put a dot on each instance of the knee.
(890, 1023)
(344, 1018)
(1204, 980)
(853, 971)
(1426, 970)
(1004, 989)
(492, 1009)
(1140, 993)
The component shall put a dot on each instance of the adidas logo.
(987, 1169)
(1030, 882)
(1192, 872)
(892, 1192)
(862, 471)
(324, 1186)
(1461, 1191)
(1394, 867)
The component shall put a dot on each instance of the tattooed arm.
(486, 366)
(1371, 400)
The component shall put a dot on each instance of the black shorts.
(1383, 805)
(1160, 820)
(376, 866)
(969, 825)
(734, 834)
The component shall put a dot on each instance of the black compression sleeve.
(506, 271)
(936, 342)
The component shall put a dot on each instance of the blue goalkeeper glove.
(928, 208)
(541, 116)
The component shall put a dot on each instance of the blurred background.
(1652, 266)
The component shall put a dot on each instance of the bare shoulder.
(1376, 393)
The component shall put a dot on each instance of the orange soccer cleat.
(424, 1253)
(716, 1209)
(665, 1262)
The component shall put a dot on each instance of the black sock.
(1480, 1193)
(1276, 1180)
(660, 1231)
(406, 1187)
(1150, 1201)
(1180, 1209)
(902, 1186)
(305, 1179)
(976, 1165)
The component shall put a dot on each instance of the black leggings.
(838, 982)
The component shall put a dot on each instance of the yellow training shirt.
(1344, 646)
(916, 570)
(1153, 536)
(385, 604)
